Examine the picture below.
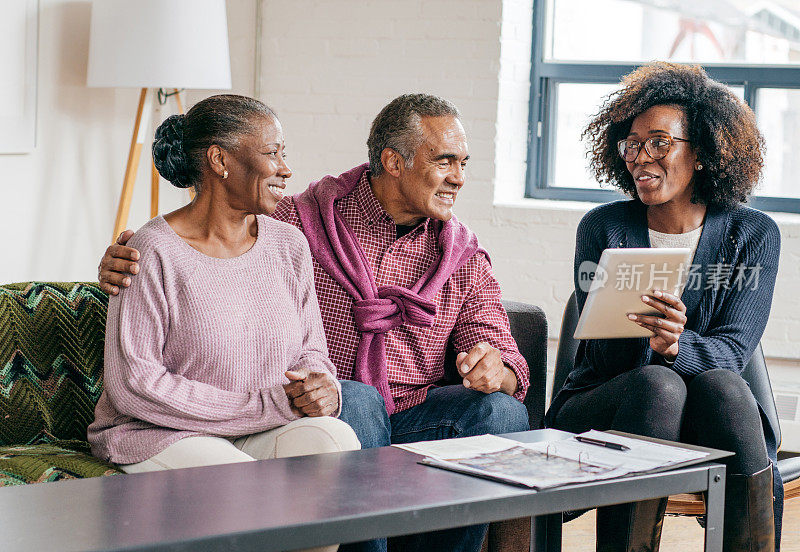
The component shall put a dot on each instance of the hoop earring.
(698, 167)
(224, 174)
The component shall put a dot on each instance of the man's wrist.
(510, 383)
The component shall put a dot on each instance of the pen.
(600, 443)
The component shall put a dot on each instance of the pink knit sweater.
(199, 345)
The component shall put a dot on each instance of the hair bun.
(169, 155)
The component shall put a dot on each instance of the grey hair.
(398, 126)
(181, 142)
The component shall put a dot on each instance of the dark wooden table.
(293, 503)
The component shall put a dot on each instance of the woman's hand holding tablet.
(622, 279)
(667, 328)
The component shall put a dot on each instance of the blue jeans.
(450, 411)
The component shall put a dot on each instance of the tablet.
(616, 285)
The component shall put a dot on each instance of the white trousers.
(297, 438)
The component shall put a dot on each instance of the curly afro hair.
(721, 128)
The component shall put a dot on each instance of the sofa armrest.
(529, 328)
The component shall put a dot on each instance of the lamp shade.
(159, 43)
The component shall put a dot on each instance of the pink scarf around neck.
(376, 309)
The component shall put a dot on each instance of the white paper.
(549, 464)
(528, 466)
(461, 447)
(642, 456)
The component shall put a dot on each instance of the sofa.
(51, 377)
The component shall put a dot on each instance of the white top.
(687, 239)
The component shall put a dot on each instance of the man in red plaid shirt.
(395, 210)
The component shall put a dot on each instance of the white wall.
(327, 67)
(58, 203)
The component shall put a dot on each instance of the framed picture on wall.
(19, 28)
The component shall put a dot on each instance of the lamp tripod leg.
(178, 100)
(153, 191)
(142, 120)
(154, 176)
(154, 179)
(179, 103)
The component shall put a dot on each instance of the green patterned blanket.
(51, 376)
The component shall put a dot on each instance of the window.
(582, 48)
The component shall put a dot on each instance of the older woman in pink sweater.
(205, 350)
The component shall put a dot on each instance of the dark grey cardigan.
(724, 323)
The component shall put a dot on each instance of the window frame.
(546, 75)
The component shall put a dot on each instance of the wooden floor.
(681, 534)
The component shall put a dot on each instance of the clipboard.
(546, 464)
(713, 455)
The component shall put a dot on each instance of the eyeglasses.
(656, 147)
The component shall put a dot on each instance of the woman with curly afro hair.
(688, 152)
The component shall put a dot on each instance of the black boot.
(632, 527)
(749, 517)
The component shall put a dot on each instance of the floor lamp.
(156, 45)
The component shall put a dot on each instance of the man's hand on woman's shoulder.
(118, 263)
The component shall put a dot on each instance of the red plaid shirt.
(468, 306)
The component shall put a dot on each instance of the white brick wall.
(511, 153)
(58, 202)
(328, 67)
